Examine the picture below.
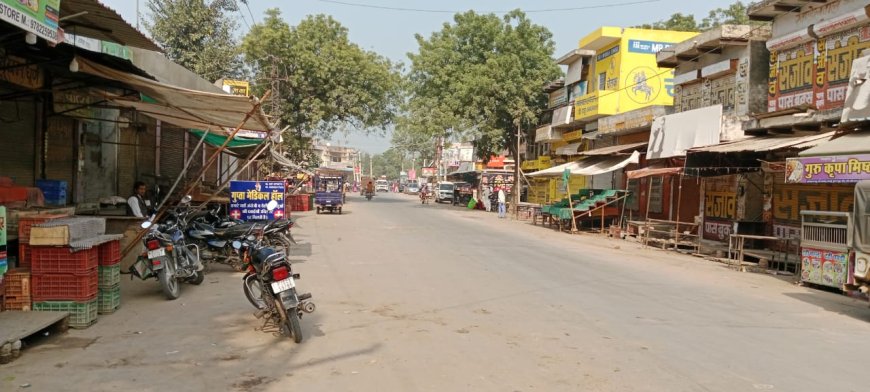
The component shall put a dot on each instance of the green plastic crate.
(81, 314)
(108, 300)
(110, 276)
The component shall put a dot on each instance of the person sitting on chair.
(137, 204)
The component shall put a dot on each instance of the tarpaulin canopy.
(852, 143)
(648, 171)
(861, 232)
(182, 107)
(217, 140)
(590, 166)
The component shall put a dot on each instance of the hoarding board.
(828, 169)
(248, 199)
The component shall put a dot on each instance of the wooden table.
(737, 242)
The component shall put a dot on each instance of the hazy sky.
(391, 32)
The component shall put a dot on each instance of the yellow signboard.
(626, 76)
(237, 87)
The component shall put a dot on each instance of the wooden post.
(570, 204)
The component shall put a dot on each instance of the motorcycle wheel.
(197, 279)
(289, 321)
(253, 291)
(170, 286)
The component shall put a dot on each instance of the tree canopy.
(733, 14)
(321, 81)
(479, 78)
(197, 34)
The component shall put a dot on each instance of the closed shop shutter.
(211, 173)
(171, 152)
(147, 149)
(128, 171)
(18, 140)
(60, 162)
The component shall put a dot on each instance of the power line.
(253, 19)
(242, 14)
(380, 7)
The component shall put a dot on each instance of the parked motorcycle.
(270, 285)
(167, 256)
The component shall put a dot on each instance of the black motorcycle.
(270, 285)
(167, 256)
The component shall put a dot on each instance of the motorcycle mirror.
(186, 199)
(272, 205)
(252, 238)
(146, 224)
(237, 245)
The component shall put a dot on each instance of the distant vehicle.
(412, 189)
(444, 192)
(382, 186)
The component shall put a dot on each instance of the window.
(602, 80)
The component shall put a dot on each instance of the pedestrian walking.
(487, 203)
(502, 199)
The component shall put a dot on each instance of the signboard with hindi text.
(828, 169)
(248, 200)
(39, 17)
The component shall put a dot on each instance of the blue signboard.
(248, 199)
(649, 47)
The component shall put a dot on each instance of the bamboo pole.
(202, 170)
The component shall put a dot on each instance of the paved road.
(431, 298)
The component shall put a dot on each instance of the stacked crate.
(109, 286)
(65, 275)
(24, 225)
(16, 289)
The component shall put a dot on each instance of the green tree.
(197, 34)
(389, 163)
(735, 14)
(677, 22)
(480, 78)
(320, 80)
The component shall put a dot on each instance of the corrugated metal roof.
(852, 143)
(766, 143)
(570, 149)
(102, 22)
(614, 149)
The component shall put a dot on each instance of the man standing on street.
(137, 205)
(501, 203)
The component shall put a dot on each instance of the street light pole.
(517, 175)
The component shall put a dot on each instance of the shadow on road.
(852, 307)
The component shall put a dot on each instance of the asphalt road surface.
(418, 297)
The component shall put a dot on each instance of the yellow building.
(624, 75)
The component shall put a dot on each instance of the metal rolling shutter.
(60, 161)
(128, 170)
(18, 138)
(171, 152)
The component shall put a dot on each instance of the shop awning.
(622, 148)
(464, 167)
(766, 143)
(217, 140)
(648, 172)
(570, 149)
(590, 166)
(182, 107)
(852, 143)
(95, 20)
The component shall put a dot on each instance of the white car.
(412, 189)
(382, 186)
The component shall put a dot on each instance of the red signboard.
(427, 171)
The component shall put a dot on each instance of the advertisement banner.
(427, 171)
(815, 73)
(828, 169)
(824, 267)
(248, 200)
(36, 16)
